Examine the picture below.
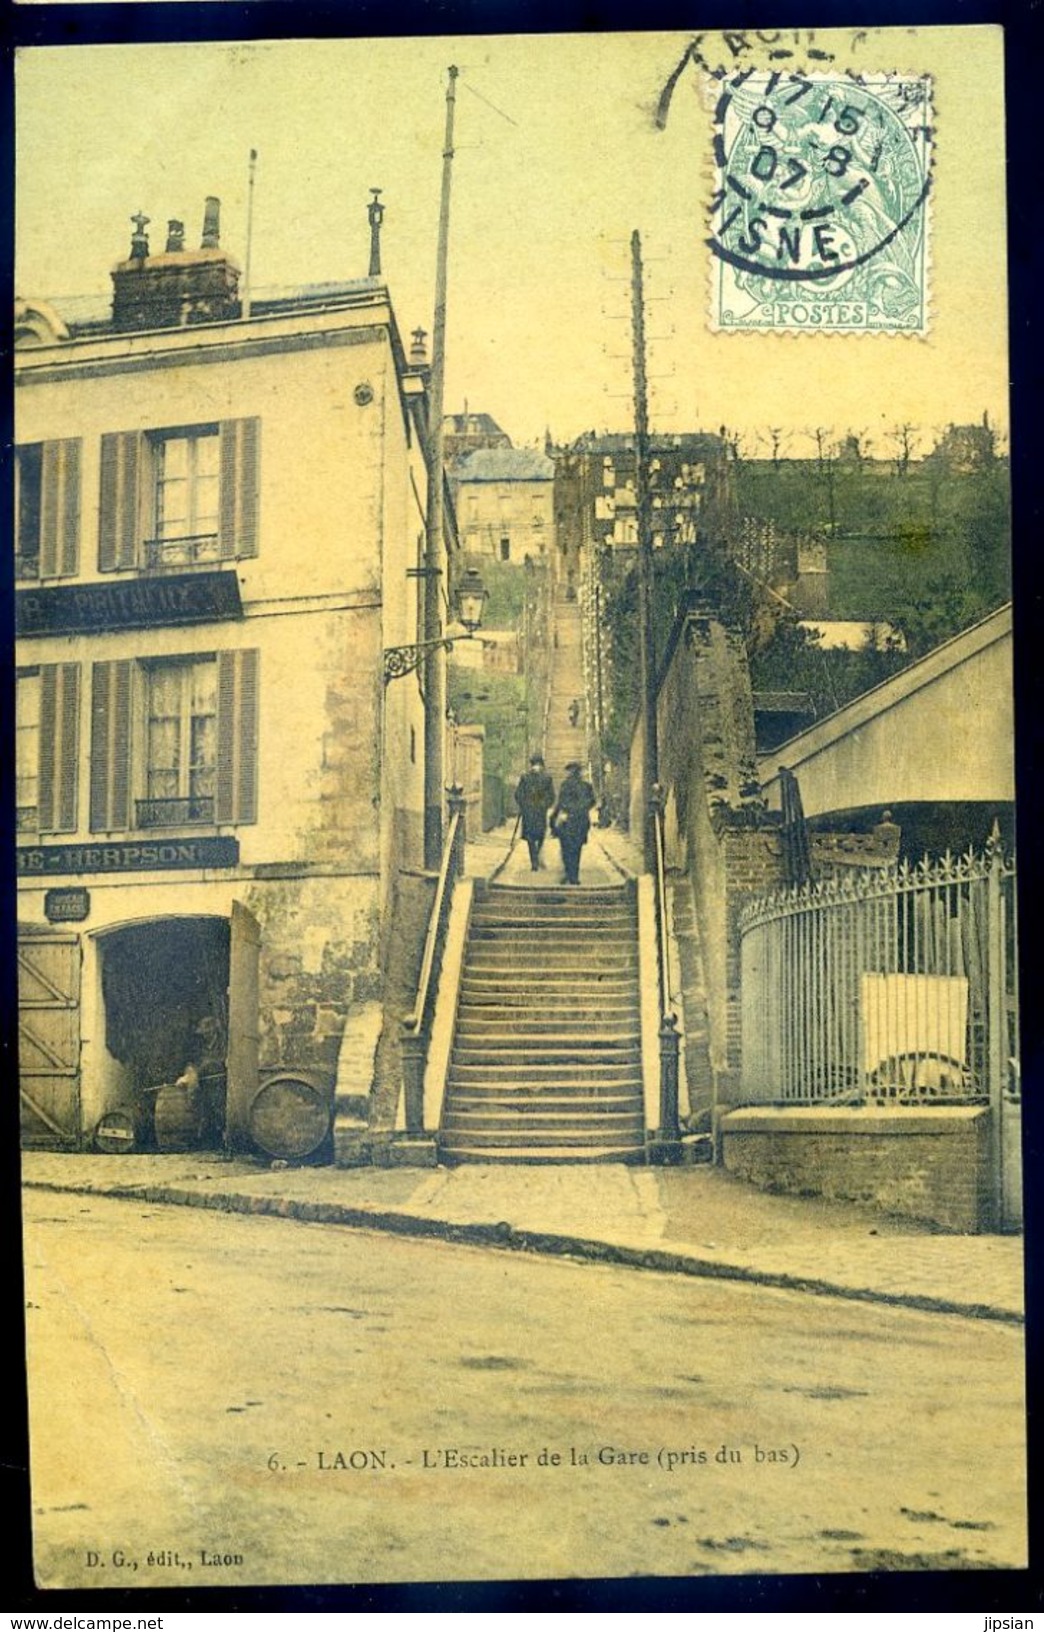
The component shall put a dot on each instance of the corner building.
(216, 793)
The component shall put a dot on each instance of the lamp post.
(471, 597)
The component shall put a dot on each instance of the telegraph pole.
(647, 652)
(435, 554)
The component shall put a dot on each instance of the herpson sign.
(70, 609)
(42, 859)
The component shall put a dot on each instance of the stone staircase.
(546, 1060)
(565, 742)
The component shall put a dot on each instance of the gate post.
(670, 1045)
(414, 1053)
(996, 1024)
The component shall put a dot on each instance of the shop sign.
(41, 859)
(67, 906)
(71, 609)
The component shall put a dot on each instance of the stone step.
(507, 1156)
(547, 896)
(528, 958)
(576, 1138)
(556, 1114)
(589, 1057)
(554, 1076)
(522, 1101)
(540, 1032)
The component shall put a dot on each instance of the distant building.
(467, 432)
(504, 499)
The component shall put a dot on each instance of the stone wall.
(929, 1163)
(319, 960)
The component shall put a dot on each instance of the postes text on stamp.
(819, 219)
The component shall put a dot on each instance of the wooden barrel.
(290, 1117)
(178, 1117)
(116, 1133)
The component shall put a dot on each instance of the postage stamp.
(819, 218)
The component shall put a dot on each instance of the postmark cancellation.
(819, 218)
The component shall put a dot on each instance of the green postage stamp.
(820, 214)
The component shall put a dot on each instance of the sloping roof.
(871, 705)
(504, 465)
(472, 425)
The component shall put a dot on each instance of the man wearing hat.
(571, 819)
(534, 797)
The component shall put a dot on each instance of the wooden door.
(49, 1039)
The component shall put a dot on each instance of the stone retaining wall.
(929, 1163)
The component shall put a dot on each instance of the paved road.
(324, 1405)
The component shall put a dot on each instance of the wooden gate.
(49, 1039)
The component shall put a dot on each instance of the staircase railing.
(416, 1028)
(670, 1040)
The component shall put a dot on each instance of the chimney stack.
(211, 225)
(179, 287)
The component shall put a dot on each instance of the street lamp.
(471, 597)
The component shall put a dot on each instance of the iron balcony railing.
(174, 812)
(890, 986)
(187, 551)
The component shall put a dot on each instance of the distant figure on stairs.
(571, 819)
(574, 712)
(534, 797)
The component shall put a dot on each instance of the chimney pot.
(175, 237)
(418, 350)
(211, 224)
(139, 250)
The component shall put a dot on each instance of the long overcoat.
(534, 797)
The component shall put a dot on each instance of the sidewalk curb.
(504, 1236)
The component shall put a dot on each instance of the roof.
(504, 465)
(91, 315)
(702, 444)
(870, 705)
(472, 425)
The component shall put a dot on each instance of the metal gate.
(49, 1038)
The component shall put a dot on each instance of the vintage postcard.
(519, 1049)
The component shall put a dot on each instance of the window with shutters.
(186, 469)
(180, 742)
(27, 749)
(47, 741)
(47, 509)
(174, 741)
(180, 497)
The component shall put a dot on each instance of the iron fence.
(894, 985)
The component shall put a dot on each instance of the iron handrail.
(670, 1041)
(660, 893)
(448, 870)
(416, 1027)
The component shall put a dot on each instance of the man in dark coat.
(534, 797)
(571, 819)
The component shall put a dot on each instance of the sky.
(557, 160)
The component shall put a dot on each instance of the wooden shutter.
(110, 746)
(240, 477)
(60, 509)
(237, 710)
(120, 520)
(59, 746)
